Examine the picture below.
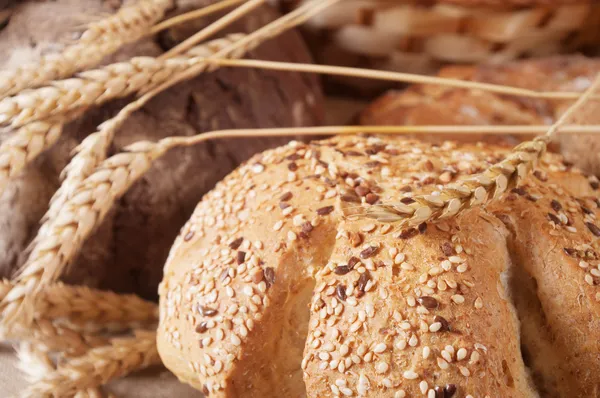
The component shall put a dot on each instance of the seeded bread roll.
(273, 289)
(436, 105)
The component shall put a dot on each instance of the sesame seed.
(475, 356)
(382, 367)
(462, 268)
(278, 225)
(464, 371)
(589, 279)
(435, 327)
(446, 355)
(368, 228)
(346, 391)
(379, 348)
(407, 267)
(426, 352)
(401, 344)
(461, 354)
(291, 235)
(458, 299)
(431, 393)
(442, 363)
(478, 303)
(235, 340)
(400, 394)
(423, 386)
(413, 341)
(410, 375)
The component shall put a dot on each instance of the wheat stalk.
(98, 366)
(195, 14)
(214, 27)
(398, 77)
(101, 39)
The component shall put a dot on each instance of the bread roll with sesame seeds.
(271, 290)
(437, 105)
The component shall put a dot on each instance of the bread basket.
(419, 37)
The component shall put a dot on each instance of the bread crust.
(360, 308)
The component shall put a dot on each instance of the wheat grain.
(34, 361)
(28, 142)
(99, 40)
(99, 365)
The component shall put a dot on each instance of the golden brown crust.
(392, 313)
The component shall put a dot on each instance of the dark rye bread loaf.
(128, 252)
(270, 290)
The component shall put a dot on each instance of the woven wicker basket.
(409, 37)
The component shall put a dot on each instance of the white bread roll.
(270, 291)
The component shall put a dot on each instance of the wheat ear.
(463, 194)
(90, 309)
(476, 190)
(99, 365)
(100, 39)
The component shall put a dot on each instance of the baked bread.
(271, 290)
(437, 105)
(119, 255)
(420, 37)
